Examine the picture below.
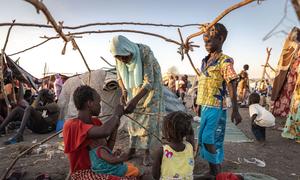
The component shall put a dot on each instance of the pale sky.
(246, 28)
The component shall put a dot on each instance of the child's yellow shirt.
(177, 165)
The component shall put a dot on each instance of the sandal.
(14, 140)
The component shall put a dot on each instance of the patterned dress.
(292, 126)
(281, 106)
(150, 108)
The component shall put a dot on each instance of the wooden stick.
(7, 36)
(75, 45)
(97, 32)
(271, 33)
(150, 133)
(267, 62)
(107, 62)
(39, 44)
(128, 31)
(101, 24)
(26, 151)
(41, 7)
(34, 46)
(190, 59)
(187, 53)
(217, 19)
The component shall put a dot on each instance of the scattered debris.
(50, 154)
(258, 162)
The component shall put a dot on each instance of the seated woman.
(81, 134)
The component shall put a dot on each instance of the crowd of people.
(178, 85)
(89, 143)
(36, 110)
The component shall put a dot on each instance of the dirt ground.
(281, 155)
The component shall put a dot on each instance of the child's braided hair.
(176, 126)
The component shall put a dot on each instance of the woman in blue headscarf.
(140, 79)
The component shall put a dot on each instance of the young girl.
(175, 160)
(104, 161)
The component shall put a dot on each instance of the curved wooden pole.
(217, 19)
(41, 7)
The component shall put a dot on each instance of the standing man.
(217, 75)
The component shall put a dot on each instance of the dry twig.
(101, 24)
(34, 46)
(271, 33)
(217, 19)
(82, 56)
(58, 28)
(7, 36)
(26, 151)
(41, 7)
(107, 62)
(97, 32)
(187, 53)
(128, 31)
(150, 133)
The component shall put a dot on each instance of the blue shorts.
(212, 131)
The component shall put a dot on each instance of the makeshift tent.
(14, 70)
(105, 83)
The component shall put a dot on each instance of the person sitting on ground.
(81, 132)
(40, 117)
(175, 159)
(14, 118)
(260, 118)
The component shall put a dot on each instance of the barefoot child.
(103, 161)
(260, 118)
(175, 160)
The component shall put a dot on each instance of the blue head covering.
(132, 72)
